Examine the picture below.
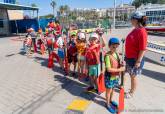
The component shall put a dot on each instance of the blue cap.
(137, 15)
(113, 41)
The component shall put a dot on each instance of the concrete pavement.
(45, 91)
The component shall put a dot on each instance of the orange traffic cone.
(42, 49)
(50, 61)
(101, 83)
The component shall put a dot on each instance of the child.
(72, 52)
(60, 43)
(93, 60)
(81, 48)
(28, 45)
(113, 69)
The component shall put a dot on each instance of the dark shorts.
(130, 67)
(72, 59)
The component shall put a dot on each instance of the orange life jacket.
(115, 63)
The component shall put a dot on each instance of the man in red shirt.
(135, 46)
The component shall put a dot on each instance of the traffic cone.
(50, 61)
(42, 49)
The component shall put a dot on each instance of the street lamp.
(114, 19)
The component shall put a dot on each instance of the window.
(1, 23)
(163, 12)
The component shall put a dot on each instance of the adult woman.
(135, 47)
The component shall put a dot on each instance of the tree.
(138, 3)
(64, 12)
(49, 16)
(53, 4)
(33, 5)
(16, 2)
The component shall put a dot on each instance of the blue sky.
(45, 8)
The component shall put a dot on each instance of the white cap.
(81, 35)
(94, 35)
(137, 15)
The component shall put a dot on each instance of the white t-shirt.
(60, 42)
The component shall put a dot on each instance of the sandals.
(128, 95)
(112, 109)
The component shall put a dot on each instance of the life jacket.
(115, 63)
(49, 41)
(52, 25)
(29, 42)
(93, 56)
(81, 47)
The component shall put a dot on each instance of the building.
(8, 12)
(154, 12)
(121, 10)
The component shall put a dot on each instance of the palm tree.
(64, 10)
(33, 5)
(53, 4)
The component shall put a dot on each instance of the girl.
(81, 48)
(93, 60)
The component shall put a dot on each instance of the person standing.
(135, 47)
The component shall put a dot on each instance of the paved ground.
(47, 91)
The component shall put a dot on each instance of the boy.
(72, 52)
(113, 69)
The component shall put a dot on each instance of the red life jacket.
(49, 41)
(51, 25)
(29, 41)
(115, 63)
(92, 56)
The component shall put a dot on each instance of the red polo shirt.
(135, 42)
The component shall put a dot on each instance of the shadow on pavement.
(150, 61)
(78, 89)
(155, 75)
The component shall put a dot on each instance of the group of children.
(84, 53)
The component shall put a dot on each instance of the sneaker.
(128, 95)
(74, 74)
(87, 79)
(91, 88)
(97, 91)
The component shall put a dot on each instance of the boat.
(155, 28)
(156, 52)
